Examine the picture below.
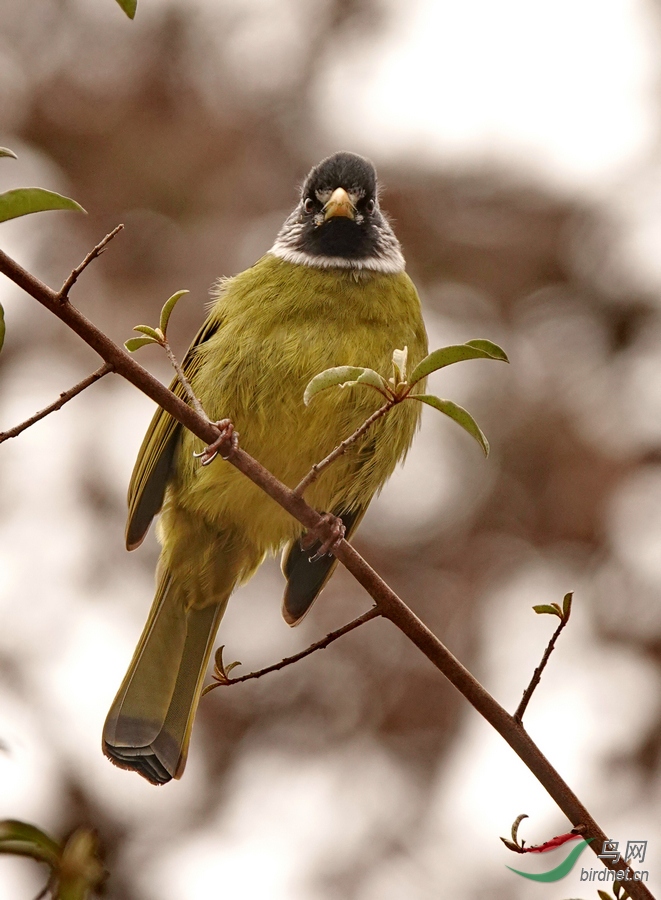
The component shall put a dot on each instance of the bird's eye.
(308, 206)
(369, 206)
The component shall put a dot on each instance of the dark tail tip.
(142, 760)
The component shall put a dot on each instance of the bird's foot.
(225, 444)
(330, 532)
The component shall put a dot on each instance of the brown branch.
(388, 603)
(537, 674)
(77, 272)
(58, 404)
(341, 449)
(121, 361)
(224, 681)
(185, 383)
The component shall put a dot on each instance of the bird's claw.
(225, 444)
(330, 532)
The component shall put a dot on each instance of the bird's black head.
(337, 222)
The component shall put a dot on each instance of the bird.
(331, 291)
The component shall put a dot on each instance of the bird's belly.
(263, 395)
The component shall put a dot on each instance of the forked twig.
(342, 448)
(58, 404)
(75, 274)
(221, 673)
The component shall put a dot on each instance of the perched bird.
(331, 291)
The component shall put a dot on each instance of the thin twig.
(388, 603)
(58, 404)
(537, 674)
(185, 383)
(77, 272)
(319, 467)
(289, 660)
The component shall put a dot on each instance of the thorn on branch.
(563, 614)
(63, 294)
(64, 397)
(221, 671)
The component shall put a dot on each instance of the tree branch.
(77, 272)
(537, 674)
(222, 679)
(185, 383)
(388, 603)
(58, 404)
(341, 449)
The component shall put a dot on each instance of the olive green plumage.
(270, 330)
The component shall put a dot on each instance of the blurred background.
(518, 144)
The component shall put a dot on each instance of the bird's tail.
(149, 724)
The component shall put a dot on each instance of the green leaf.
(23, 839)
(23, 201)
(566, 603)
(545, 608)
(344, 376)
(150, 332)
(166, 312)
(488, 347)
(2, 326)
(134, 344)
(5, 151)
(604, 895)
(129, 7)
(455, 353)
(459, 414)
(370, 377)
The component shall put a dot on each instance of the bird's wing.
(306, 579)
(154, 463)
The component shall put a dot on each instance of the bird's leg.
(330, 532)
(225, 444)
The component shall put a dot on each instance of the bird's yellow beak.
(339, 205)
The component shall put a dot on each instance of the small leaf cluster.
(553, 609)
(399, 386)
(75, 867)
(155, 335)
(221, 672)
(514, 843)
